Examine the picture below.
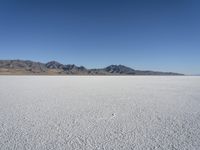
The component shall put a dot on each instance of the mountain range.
(27, 67)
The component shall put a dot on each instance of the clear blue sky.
(143, 34)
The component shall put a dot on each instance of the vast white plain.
(99, 112)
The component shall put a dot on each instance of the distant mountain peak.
(23, 67)
(120, 69)
(54, 65)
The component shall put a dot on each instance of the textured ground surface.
(72, 112)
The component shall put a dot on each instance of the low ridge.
(27, 67)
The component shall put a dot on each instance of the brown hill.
(27, 67)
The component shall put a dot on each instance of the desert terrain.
(99, 112)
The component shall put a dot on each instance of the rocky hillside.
(22, 67)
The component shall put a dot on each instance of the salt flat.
(99, 112)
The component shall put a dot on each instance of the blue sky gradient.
(143, 34)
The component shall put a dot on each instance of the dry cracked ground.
(99, 112)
